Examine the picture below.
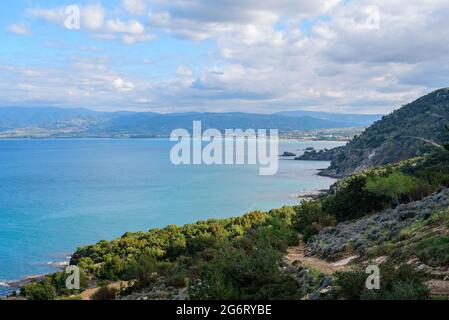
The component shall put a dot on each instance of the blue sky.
(361, 56)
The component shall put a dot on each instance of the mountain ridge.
(79, 122)
(403, 134)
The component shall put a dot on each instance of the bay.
(56, 195)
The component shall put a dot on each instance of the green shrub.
(433, 169)
(310, 219)
(109, 259)
(178, 280)
(434, 251)
(351, 284)
(248, 268)
(353, 201)
(142, 269)
(402, 283)
(400, 290)
(395, 186)
(52, 286)
(105, 293)
(407, 290)
(239, 274)
(39, 291)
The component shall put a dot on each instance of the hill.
(408, 132)
(18, 122)
(143, 124)
(349, 120)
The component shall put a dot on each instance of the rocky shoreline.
(309, 195)
(14, 285)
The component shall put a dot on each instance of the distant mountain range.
(61, 122)
(361, 120)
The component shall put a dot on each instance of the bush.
(351, 284)
(109, 259)
(407, 290)
(39, 291)
(434, 251)
(433, 169)
(353, 201)
(248, 268)
(142, 269)
(402, 283)
(237, 274)
(395, 186)
(105, 293)
(52, 286)
(178, 281)
(311, 219)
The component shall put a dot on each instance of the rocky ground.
(358, 236)
(313, 275)
(389, 235)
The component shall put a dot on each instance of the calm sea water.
(56, 195)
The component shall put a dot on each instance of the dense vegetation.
(374, 190)
(234, 258)
(402, 283)
(248, 268)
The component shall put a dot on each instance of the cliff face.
(408, 132)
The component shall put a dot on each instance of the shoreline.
(309, 195)
(10, 286)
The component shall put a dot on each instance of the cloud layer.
(349, 56)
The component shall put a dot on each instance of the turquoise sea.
(56, 195)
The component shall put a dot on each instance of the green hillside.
(406, 133)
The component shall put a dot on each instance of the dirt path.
(438, 287)
(297, 254)
(88, 294)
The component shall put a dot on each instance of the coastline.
(309, 195)
(8, 286)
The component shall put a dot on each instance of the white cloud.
(130, 27)
(54, 15)
(137, 7)
(202, 19)
(131, 39)
(19, 29)
(268, 55)
(184, 71)
(122, 85)
(92, 17)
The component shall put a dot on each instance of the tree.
(446, 145)
(310, 219)
(39, 291)
(394, 186)
(353, 201)
(143, 269)
(105, 293)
